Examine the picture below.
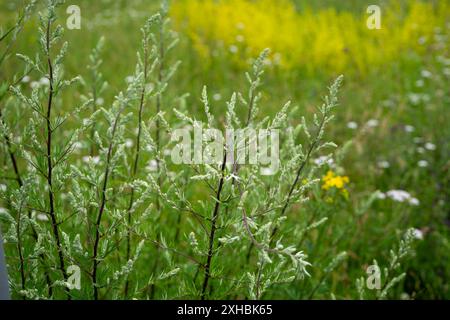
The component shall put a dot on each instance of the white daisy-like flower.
(422, 163)
(25, 79)
(352, 125)
(420, 83)
(398, 195)
(409, 128)
(430, 146)
(402, 196)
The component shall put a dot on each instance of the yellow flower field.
(307, 39)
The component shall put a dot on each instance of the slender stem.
(102, 206)
(136, 159)
(94, 109)
(11, 154)
(51, 196)
(19, 248)
(158, 135)
(215, 215)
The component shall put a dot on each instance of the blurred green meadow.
(392, 124)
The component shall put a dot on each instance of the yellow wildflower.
(310, 39)
(331, 180)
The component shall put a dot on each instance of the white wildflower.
(352, 125)
(409, 128)
(398, 195)
(402, 196)
(372, 123)
(418, 234)
(25, 79)
(430, 146)
(422, 163)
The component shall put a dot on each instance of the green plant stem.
(51, 196)
(215, 215)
